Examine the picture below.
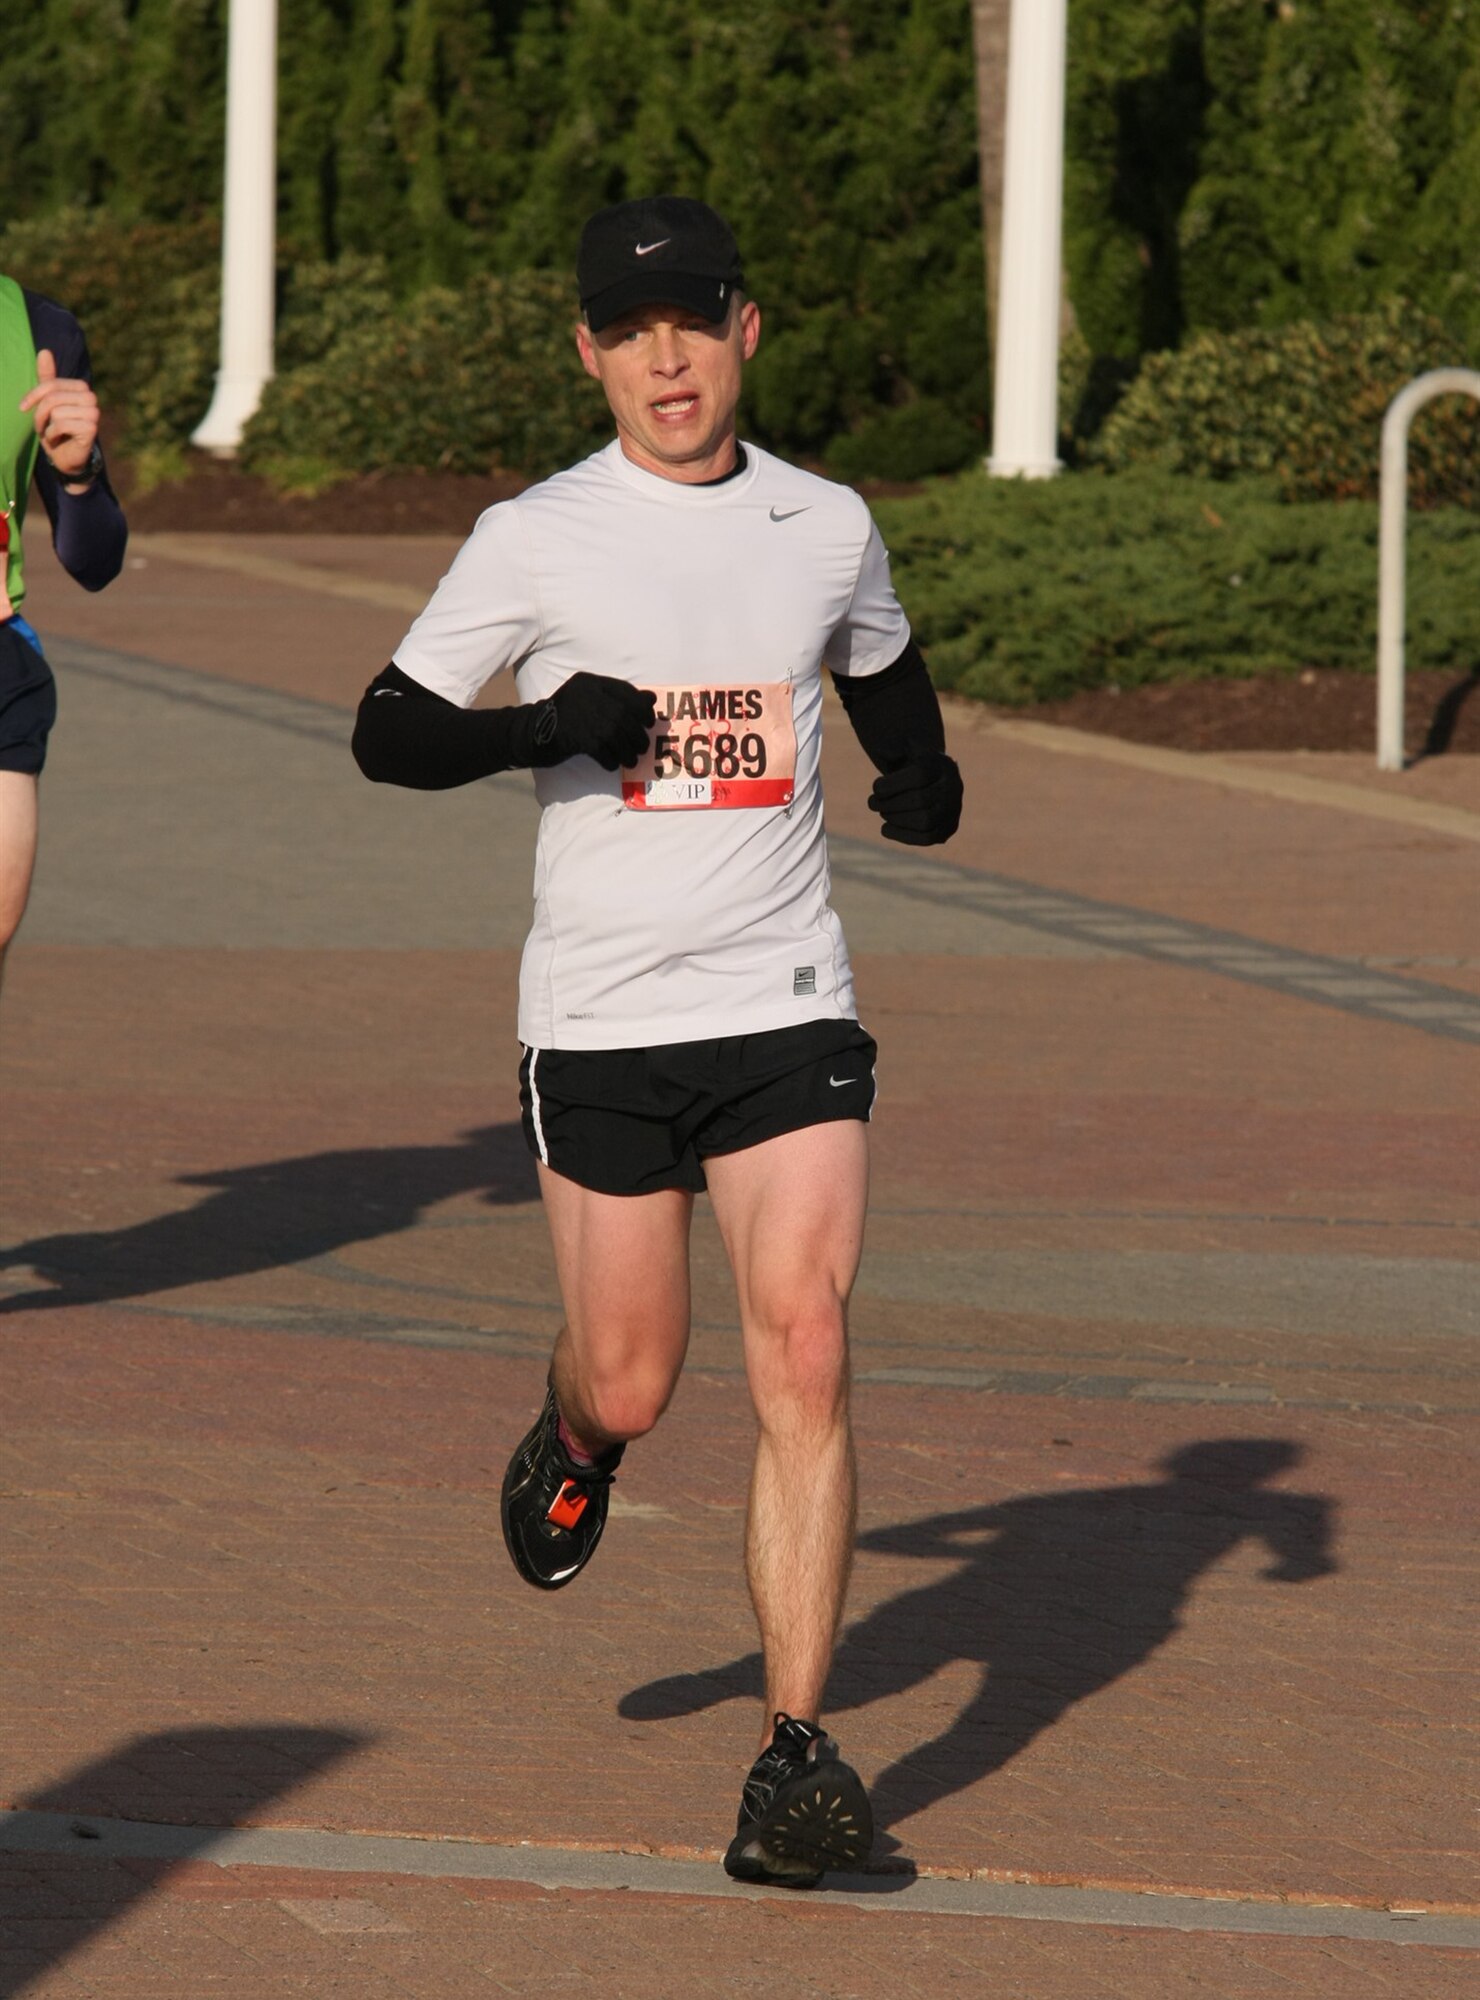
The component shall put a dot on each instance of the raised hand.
(65, 413)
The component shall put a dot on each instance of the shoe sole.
(821, 1821)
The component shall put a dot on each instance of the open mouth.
(676, 406)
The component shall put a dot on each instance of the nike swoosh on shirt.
(838, 1082)
(790, 516)
(646, 249)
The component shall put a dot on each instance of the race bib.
(717, 748)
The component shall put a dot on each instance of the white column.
(1025, 410)
(249, 225)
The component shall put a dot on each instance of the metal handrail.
(1392, 551)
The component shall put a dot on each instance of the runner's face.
(673, 380)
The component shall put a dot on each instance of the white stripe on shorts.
(534, 1108)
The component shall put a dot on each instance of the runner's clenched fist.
(65, 413)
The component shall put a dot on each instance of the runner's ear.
(750, 325)
(586, 348)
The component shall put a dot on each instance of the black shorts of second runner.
(28, 703)
(635, 1121)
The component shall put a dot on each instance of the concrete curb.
(564, 1868)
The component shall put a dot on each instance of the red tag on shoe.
(568, 1505)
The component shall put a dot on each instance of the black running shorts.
(28, 703)
(633, 1121)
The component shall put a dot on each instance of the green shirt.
(18, 441)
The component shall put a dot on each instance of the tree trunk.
(989, 34)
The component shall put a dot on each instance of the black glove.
(593, 715)
(921, 804)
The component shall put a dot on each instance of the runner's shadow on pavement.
(64, 1880)
(1054, 1595)
(265, 1217)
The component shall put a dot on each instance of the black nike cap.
(665, 250)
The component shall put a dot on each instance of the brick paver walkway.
(1166, 1346)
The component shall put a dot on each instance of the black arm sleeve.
(88, 530)
(406, 735)
(895, 714)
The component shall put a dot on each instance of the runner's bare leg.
(791, 1211)
(623, 1265)
(17, 851)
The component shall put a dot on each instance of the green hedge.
(1304, 405)
(1026, 591)
(483, 376)
(487, 376)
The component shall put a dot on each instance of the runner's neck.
(734, 472)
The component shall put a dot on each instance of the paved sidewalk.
(1166, 1343)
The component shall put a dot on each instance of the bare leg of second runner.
(17, 851)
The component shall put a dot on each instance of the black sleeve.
(406, 735)
(88, 530)
(895, 714)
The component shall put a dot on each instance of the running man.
(686, 1003)
(49, 436)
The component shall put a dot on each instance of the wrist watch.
(93, 470)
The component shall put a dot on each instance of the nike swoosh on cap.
(646, 249)
(838, 1082)
(791, 516)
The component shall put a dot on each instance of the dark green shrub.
(1303, 405)
(909, 442)
(1090, 386)
(1027, 590)
(463, 381)
(319, 304)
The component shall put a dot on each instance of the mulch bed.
(1321, 709)
(219, 500)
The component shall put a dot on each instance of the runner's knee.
(627, 1402)
(798, 1365)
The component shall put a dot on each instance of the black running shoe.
(554, 1507)
(802, 1812)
